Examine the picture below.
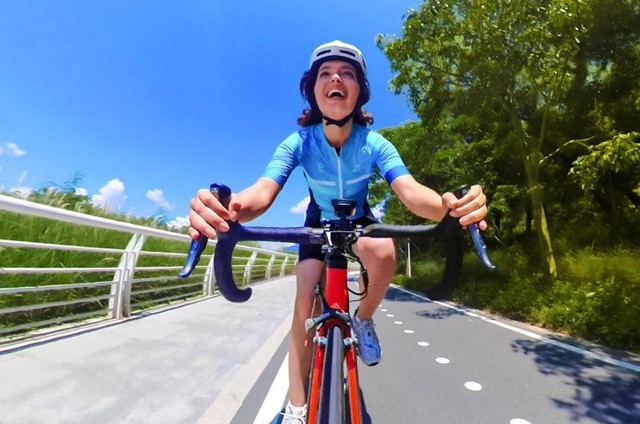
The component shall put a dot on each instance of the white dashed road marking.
(469, 385)
(473, 386)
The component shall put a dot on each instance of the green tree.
(611, 172)
(524, 74)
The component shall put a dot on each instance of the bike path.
(446, 364)
(443, 363)
(185, 364)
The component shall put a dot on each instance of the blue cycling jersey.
(332, 175)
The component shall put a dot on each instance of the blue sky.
(151, 100)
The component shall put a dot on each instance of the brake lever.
(223, 194)
(474, 230)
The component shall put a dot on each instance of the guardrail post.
(209, 284)
(283, 267)
(248, 267)
(271, 262)
(120, 301)
(408, 267)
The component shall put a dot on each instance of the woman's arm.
(425, 202)
(207, 215)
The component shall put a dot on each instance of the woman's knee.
(377, 251)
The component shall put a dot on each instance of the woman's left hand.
(470, 208)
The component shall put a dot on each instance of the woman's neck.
(337, 136)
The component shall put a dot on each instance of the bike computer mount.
(344, 208)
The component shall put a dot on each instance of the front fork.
(335, 307)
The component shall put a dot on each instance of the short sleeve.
(284, 160)
(388, 159)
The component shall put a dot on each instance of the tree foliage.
(611, 172)
(519, 91)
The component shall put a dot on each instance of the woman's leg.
(379, 258)
(308, 273)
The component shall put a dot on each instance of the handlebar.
(301, 235)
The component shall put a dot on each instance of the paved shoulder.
(164, 367)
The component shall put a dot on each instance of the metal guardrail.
(110, 292)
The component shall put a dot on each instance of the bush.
(596, 296)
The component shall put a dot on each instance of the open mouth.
(335, 93)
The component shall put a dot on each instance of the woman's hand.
(207, 215)
(470, 208)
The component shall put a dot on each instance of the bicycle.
(333, 380)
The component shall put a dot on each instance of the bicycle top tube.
(226, 241)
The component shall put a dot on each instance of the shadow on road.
(403, 295)
(602, 392)
(406, 296)
(439, 313)
(366, 418)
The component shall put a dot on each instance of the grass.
(147, 293)
(596, 296)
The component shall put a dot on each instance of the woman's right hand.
(207, 215)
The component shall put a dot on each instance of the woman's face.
(336, 89)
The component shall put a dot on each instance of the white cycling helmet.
(339, 50)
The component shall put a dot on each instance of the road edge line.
(276, 396)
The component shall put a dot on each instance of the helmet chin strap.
(338, 122)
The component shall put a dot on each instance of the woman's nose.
(336, 77)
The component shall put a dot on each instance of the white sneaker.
(294, 414)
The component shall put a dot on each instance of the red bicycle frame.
(332, 351)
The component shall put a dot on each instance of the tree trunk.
(539, 216)
(531, 156)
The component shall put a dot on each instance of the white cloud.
(157, 196)
(21, 191)
(1, 150)
(23, 177)
(179, 222)
(301, 207)
(111, 196)
(14, 150)
(81, 192)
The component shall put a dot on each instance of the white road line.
(276, 397)
(587, 353)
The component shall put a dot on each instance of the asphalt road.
(446, 364)
(213, 362)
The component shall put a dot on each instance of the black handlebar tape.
(223, 256)
(223, 268)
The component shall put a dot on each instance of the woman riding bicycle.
(337, 153)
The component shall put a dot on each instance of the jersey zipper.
(341, 192)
